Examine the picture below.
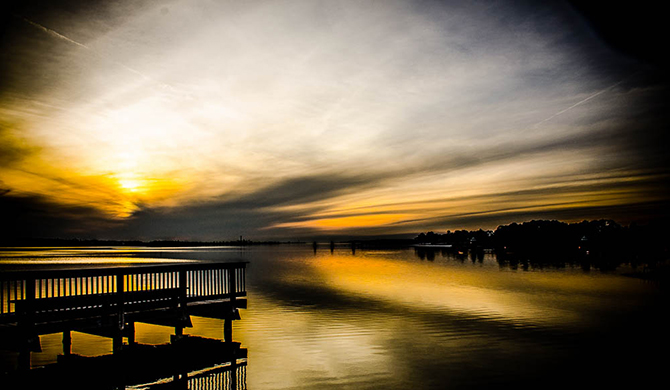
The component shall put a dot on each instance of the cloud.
(37, 216)
(13, 150)
(226, 118)
(242, 214)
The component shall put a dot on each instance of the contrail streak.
(54, 33)
(579, 103)
(61, 36)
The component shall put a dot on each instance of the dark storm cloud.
(306, 189)
(242, 214)
(36, 216)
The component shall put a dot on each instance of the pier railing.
(68, 292)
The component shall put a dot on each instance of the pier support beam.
(179, 332)
(232, 313)
(29, 343)
(24, 359)
(117, 343)
(130, 333)
(228, 330)
(67, 343)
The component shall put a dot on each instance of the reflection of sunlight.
(477, 292)
(89, 255)
(88, 260)
(322, 348)
(153, 334)
(82, 343)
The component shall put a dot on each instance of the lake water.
(398, 319)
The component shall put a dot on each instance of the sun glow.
(146, 188)
(131, 185)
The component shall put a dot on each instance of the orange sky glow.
(300, 118)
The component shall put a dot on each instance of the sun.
(130, 183)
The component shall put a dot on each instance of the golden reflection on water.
(293, 347)
(528, 298)
(388, 319)
(88, 256)
(82, 344)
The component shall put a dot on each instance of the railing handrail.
(120, 270)
(196, 281)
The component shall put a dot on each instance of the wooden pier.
(109, 301)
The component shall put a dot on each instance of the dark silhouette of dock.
(108, 302)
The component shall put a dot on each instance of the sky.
(296, 119)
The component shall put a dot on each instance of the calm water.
(390, 319)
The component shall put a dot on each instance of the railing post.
(228, 321)
(182, 288)
(30, 295)
(117, 340)
(27, 324)
(182, 302)
(232, 287)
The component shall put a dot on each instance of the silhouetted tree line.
(459, 238)
(601, 243)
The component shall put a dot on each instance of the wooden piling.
(67, 343)
(130, 332)
(228, 321)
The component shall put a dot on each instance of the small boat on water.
(433, 246)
